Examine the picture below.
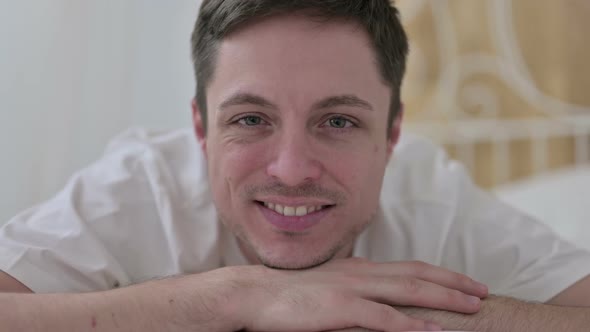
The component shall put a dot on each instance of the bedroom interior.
(503, 85)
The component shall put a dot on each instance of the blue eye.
(339, 122)
(251, 120)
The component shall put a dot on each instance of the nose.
(294, 161)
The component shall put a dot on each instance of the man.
(297, 115)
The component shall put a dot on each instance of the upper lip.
(293, 201)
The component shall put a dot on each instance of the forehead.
(298, 59)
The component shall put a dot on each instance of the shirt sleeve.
(513, 253)
(86, 238)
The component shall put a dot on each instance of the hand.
(349, 293)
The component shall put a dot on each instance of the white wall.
(74, 73)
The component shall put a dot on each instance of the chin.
(295, 264)
(262, 244)
(296, 257)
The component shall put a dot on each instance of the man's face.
(296, 141)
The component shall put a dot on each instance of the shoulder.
(175, 148)
(139, 168)
(135, 199)
(170, 160)
(420, 198)
(421, 171)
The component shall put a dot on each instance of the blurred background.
(502, 84)
(75, 73)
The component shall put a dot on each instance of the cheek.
(230, 164)
(361, 171)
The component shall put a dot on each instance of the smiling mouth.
(294, 211)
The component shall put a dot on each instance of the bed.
(503, 85)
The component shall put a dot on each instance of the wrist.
(232, 296)
(242, 294)
(210, 301)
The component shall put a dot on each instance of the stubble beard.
(245, 243)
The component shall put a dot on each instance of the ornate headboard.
(504, 85)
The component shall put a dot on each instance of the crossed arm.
(339, 295)
(506, 314)
(568, 311)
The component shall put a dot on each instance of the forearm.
(505, 314)
(153, 306)
(68, 312)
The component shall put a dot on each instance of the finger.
(336, 312)
(409, 291)
(433, 274)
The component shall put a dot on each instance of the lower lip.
(293, 224)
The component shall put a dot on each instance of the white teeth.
(279, 208)
(301, 211)
(291, 211)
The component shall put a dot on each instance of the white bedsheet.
(560, 199)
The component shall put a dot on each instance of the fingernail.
(430, 326)
(473, 299)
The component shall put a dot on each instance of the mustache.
(304, 190)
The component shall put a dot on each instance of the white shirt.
(144, 211)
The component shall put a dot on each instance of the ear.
(199, 127)
(395, 130)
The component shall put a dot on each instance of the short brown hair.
(218, 18)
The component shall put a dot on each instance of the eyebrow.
(242, 98)
(343, 100)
